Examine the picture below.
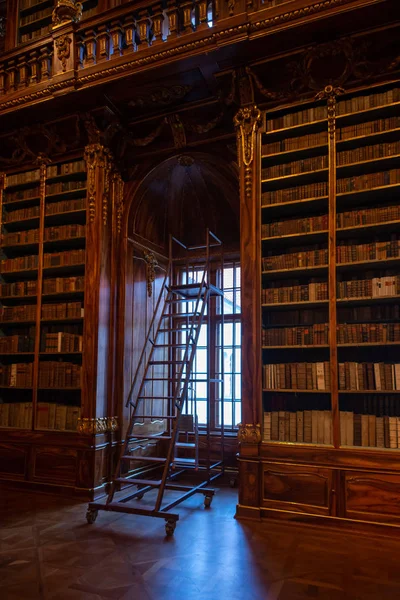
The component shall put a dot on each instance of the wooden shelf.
(369, 139)
(305, 347)
(304, 304)
(358, 116)
(23, 202)
(297, 238)
(66, 320)
(366, 300)
(384, 263)
(296, 176)
(289, 390)
(35, 7)
(295, 207)
(287, 154)
(383, 162)
(356, 195)
(349, 231)
(369, 391)
(78, 175)
(67, 194)
(367, 344)
(281, 273)
(310, 125)
(34, 25)
(21, 224)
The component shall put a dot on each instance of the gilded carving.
(247, 121)
(97, 425)
(162, 96)
(97, 157)
(66, 11)
(151, 264)
(119, 198)
(178, 130)
(249, 433)
(330, 94)
(63, 45)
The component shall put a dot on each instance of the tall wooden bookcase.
(320, 218)
(60, 225)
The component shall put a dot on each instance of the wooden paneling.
(372, 496)
(297, 488)
(13, 460)
(55, 464)
(249, 478)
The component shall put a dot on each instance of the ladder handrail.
(143, 353)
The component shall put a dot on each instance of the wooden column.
(97, 286)
(247, 122)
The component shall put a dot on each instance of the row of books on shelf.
(57, 416)
(297, 376)
(346, 219)
(36, 33)
(296, 143)
(368, 181)
(16, 414)
(342, 133)
(24, 194)
(29, 236)
(59, 285)
(382, 150)
(64, 232)
(22, 178)
(318, 334)
(363, 102)
(76, 166)
(344, 106)
(27, 312)
(315, 427)
(369, 376)
(39, 14)
(59, 259)
(292, 194)
(310, 292)
(53, 259)
(60, 342)
(376, 287)
(54, 208)
(313, 163)
(299, 258)
(20, 263)
(57, 374)
(18, 343)
(345, 253)
(16, 375)
(22, 214)
(65, 186)
(367, 128)
(308, 426)
(18, 288)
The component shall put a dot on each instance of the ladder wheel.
(207, 501)
(233, 482)
(170, 527)
(91, 515)
(140, 496)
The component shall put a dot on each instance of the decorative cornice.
(97, 425)
(249, 433)
(213, 39)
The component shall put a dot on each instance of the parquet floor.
(48, 552)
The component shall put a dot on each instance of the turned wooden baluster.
(45, 68)
(81, 53)
(144, 27)
(116, 32)
(158, 22)
(22, 72)
(11, 71)
(187, 25)
(103, 43)
(90, 56)
(173, 18)
(34, 67)
(130, 34)
(201, 14)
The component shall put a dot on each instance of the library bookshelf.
(320, 185)
(55, 418)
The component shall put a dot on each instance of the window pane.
(228, 358)
(238, 415)
(238, 387)
(228, 387)
(203, 336)
(228, 334)
(238, 333)
(228, 302)
(228, 414)
(237, 302)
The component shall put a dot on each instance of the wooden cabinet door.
(304, 489)
(371, 496)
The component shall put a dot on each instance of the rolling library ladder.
(163, 397)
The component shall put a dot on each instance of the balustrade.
(26, 69)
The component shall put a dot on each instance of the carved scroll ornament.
(63, 45)
(67, 11)
(247, 121)
(151, 264)
(97, 156)
(97, 425)
(249, 433)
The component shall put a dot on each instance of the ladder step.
(157, 397)
(134, 481)
(180, 315)
(184, 461)
(185, 445)
(179, 329)
(168, 362)
(144, 458)
(150, 436)
(154, 417)
(170, 345)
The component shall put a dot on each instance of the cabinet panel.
(13, 460)
(297, 488)
(55, 464)
(372, 496)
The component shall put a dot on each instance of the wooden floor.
(48, 551)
